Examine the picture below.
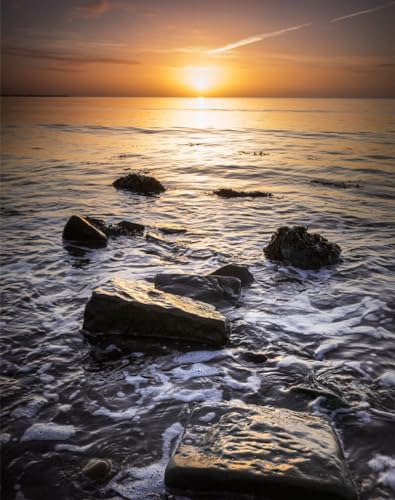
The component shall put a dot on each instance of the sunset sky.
(291, 48)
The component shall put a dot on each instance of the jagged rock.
(235, 271)
(296, 246)
(97, 469)
(139, 183)
(123, 228)
(268, 452)
(80, 231)
(216, 290)
(232, 193)
(137, 309)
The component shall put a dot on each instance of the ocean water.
(64, 402)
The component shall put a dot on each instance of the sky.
(288, 48)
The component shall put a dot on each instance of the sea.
(328, 336)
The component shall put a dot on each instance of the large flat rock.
(137, 309)
(271, 453)
(216, 290)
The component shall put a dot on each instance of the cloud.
(256, 38)
(61, 57)
(92, 8)
(362, 12)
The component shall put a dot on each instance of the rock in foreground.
(139, 183)
(296, 246)
(80, 231)
(235, 271)
(123, 228)
(216, 290)
(268, 452)
(232, 193)
(136, 309)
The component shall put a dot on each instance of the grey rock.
(137, 309)
(80, 231)
(264, 451)
(97, 469)
(296, 246)
(235, 271)
(139, 183)
(216, 290)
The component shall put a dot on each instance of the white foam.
(194, 371)
(48, 432)
(387, 378)
(386, 467)
(289, 361)
(31, 409)
(320, 352)
(253, 383)
(208, 417)
(5, 437)
(128, 414)
(73, 448)
(200, 356)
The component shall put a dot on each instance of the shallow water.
(333, 330)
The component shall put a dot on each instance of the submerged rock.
(333, 184)
(137, 309)
(97, 469)
(270, 452)
(235, 271)
(170, 229)
(216, 290)
(232, 193)
(139, 183)
(79, 230)
(296, 246)
(123, 228)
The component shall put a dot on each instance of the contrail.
(362, 12)
(256, 38)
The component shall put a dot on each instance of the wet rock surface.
(216, 290)
(123, 228)
(137, 309)
(80, 231)
(296, 246)
(235, 271)
(268, 452)
(232, 193)
(140, 184)
(97, 469)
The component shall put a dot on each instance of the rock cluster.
(296, 246)
(232, 193)
(140, 184)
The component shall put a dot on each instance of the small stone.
(80, 231)
(97, 469)
(140, 184)
(235, 271)
(254, 357)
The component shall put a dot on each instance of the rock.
(332, 184)
(123, 228)
(216, 290)
(139, 183)
(254, 357)
(269, 452)
(235, 271)
(231, 193)
(137, 309)
(80, 231)
(302, 249)
(97, 469)
(170, 229)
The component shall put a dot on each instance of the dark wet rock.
(232, 193)
(270, 452)
(296, 246)
(332, 184)
(216, 290)
(97, 469)
(170, 229)
(123, 228)
(333, 401)
(137, 309)
(139, 183)
(235, 271)
(80, 231)
(254, 357)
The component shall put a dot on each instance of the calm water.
(332, 329)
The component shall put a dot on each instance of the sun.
(201, 79)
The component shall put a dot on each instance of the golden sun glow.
(201, 79)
